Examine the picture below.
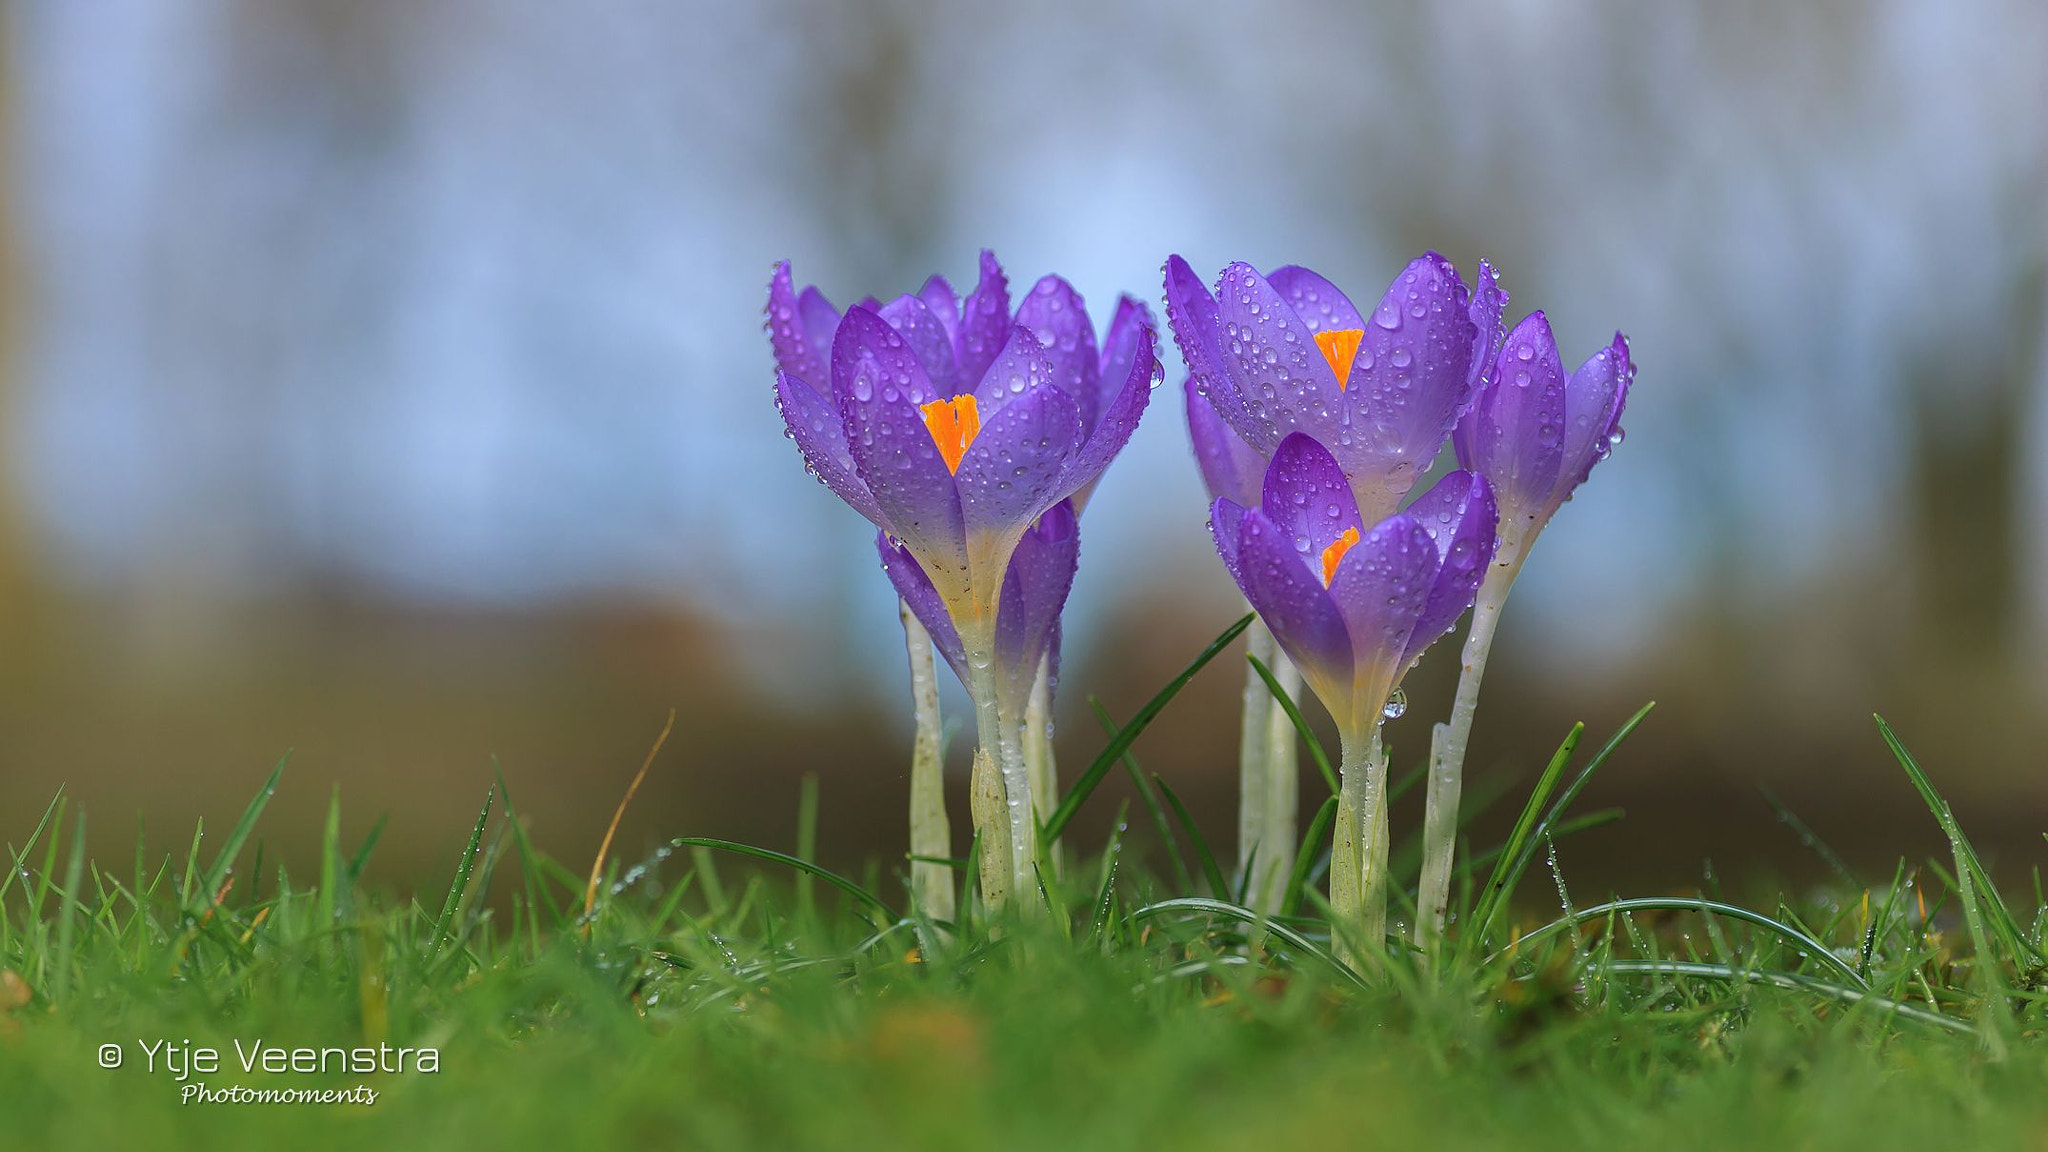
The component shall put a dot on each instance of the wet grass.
(725, 995)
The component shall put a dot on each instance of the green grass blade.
(1806, 946)
(1790, 981)
(1246, 916)
(444, 923)
(1497, 884)
(1211, 871)
(1305, 860)
(1150, 799)
(1128, 734)
(237, 836)
(830, 877)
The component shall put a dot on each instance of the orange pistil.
(953, 424)
(1340, 347)
(1334, 554)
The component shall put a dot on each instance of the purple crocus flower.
(1289, 352)
(1536, 432)
(1354, 605)
(1027, 620)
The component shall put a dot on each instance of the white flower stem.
(931, 835)
(1253, 735)
(1039, 764)
(1358, 853)
(1447, 748)
(1002, 745)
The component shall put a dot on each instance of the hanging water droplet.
(1396, 706)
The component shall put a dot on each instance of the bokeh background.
(384, 381)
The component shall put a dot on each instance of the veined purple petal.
(1035, 588)
(1226, 522)
(1594, 398)
(1380, 588)
(928, 339)
(1011, 473)
(944, 303)
(1273, 362)
(1413, 376)
(1129, 329)
(820, 320)
(924, 602)
(1192, 313)
(1019, 365)
(1517, 428)
(1459, 514)
(984, 322)
(1119, 419)
(1296, 607)
(1320, 304)
(1055, 313)
(1306, 496)
(789, 330)
(878, 385)
(1229, 466)
(813, 422)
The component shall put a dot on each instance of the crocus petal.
(1458, 513)
(1273, 362)
(924, 602)
(1413, 376)
(1594, 398)
(878, 384)
(1380, 588)
(1295, 606)
(1320, 304)
(1055, 313)
(1020, 364)
(1128, 331)
(1226, 523)
(1035, 588)
(928, 339)
(984, 322)
(1118, 420)
(1192, 313)
(944, 303)
(1518, 425)
(1229, 466)
(813, 422)
(789, 334)
(820, 320)
(1307, 497)
(1011, 473)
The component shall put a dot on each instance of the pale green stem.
(1039, 764)
(985, 807)
(1283, 791)
(931, 835)
(1447, 748)
(1358, 852)
(1253, 735)
(1002, 743)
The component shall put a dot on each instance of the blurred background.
(385, 382)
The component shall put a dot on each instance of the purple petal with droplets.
(789, 334)
(1594, 398)
(1273, 362)
(1380, 588)
(1306, 496)
(1119, 419)
(1295, 606)
(1226, 521)
(984, 322)
(1229, 466)
(1020, 364)
(1055, 313)
(1458, 513)
(1035, 589)
(1191, 310)
(878, 384)
(1320, 304)
(924, 602)
(813, 423)
(1128, 329)
(1411, 379)
(1518, 425)
(938, 295)
(1011, 473)
(928, 339)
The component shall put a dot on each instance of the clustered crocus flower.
(1288, 351)
(1354, 605)
(1536, 432)
(955, 426)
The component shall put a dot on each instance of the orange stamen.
(1340, 347)
(1334, 554)
(953, 424)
